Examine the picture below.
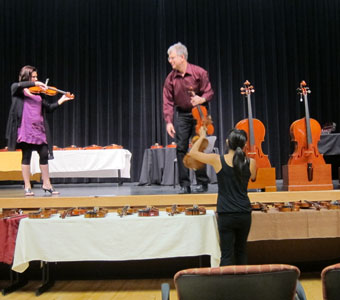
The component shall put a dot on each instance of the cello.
(265, 177)
(306, 169)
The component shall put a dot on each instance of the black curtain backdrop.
(112, 54)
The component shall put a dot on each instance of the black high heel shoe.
(51, 190)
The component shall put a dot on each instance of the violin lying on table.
(259, 207)
(308, 204)
(113, 146)
(96, 213)
(93, 147)
(10, 213)
(174, 210)
(126, 210)
(73, 212)
(148, 212)
(73, 147)
(287, 207)
(331, 204)
(156, 146)
(42, 213)
(195, 210)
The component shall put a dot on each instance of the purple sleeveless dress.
(32, 129)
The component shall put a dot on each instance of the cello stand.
(47, 282)
(17, 281)
(265, 180)
(295, 178)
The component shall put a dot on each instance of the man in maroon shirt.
(186, 86)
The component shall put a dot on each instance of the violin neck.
(200, 111)
(57, 90)
(250, 121)
(308, 129)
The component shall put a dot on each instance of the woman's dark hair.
(26, 73)
(236, 141)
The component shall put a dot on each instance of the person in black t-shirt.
(233, 205)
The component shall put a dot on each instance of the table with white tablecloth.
(115, 239)
(87, 163)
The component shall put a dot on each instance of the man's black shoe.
(185, 190)
(202, 188)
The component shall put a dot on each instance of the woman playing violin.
(27, 127)
(233, 205)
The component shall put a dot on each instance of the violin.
(50, 91)
(333, 205)
(305, 133)
(156, 146)
(148, 212)
(93, 147)
(304, 204)
(317, 206)
(195, 210)
(259, 207)
(200, 114)
(126, 210)
(72, 212)
(73, 147)
(287, 207)
(308, 204)
(174, 210)
(192, 163)
(96, 213)
(42, 214)
(172, 145)
(113, 146)
(255, 131)
(10, 213)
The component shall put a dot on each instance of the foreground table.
(8, 233)
(113, 238)
(291, 237)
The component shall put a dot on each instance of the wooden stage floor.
(114, 195)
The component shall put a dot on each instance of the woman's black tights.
(27, 153)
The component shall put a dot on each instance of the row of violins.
(102, 212)
(306, 166)
(171, 211)
(296, 206)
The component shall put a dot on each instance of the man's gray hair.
(180, 50)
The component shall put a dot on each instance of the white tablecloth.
(113, 238)
(86, 163)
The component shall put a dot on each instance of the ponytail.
(236, 141)
(239, 162)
